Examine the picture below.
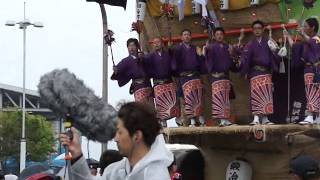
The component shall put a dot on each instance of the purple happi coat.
(258, 62)
(158, 65)
(131, 68)
(187, 65)
(311, 58)
(218, 58)
(311, 54)
(258, 54)
(219, 61)
(185, 59)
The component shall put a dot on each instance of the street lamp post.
(104, 146)
(23, 25)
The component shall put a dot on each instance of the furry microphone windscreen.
(65, 94)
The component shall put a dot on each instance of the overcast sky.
(71, 38)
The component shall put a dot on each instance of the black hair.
(137, 116)
(133, 40)
(185, 30)
(258, 22)
(218, 29)
(192, 165)
(108, 157)
(313, 23)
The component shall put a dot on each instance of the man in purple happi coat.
(132, 68)
(187, 66)
(308, 53)
(219, 62)
(258, 60)
(158, 67)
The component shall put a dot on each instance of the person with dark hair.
(131, 68)
(311, 59)
(93, 166)
(219, 62)
(186, 64)
(192, 165)
(257, 22)
(158, 67)
(311, 27)
(108, 157)
(138, 139)
(173, 170)
(304, 167)
(258, 60)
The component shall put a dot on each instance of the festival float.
(267, 148)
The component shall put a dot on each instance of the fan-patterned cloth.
(167, 105)
(220, 99)
(192, 92)
(261, 94)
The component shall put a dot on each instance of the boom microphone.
(67, 95)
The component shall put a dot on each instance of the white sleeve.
(156, 172)
(80, 171)
(115, 171)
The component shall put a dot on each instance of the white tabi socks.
(255, 120)
(307, 120)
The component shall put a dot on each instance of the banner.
(121, 3)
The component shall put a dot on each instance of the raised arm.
(120, 73)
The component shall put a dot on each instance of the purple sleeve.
(315, 49)
(121, 75)
(245, 59)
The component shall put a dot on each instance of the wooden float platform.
(269, 159)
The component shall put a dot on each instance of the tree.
(39, 136)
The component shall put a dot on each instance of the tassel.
(282, 68)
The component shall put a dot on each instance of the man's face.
(307, 29)
(219, 36)
(132, 48)
(124, 140)
(157, 44)
(186, 37)
(257, 30)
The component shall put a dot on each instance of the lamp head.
(10, 23)
(38, 24)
